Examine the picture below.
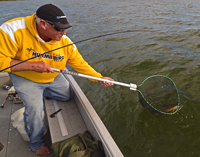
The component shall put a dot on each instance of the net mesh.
(159, 95)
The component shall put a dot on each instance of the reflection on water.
(170, 47)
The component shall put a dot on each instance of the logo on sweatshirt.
(48, 56)
(29, 50)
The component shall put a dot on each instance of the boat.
(65, 120)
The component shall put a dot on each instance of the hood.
(31, 25)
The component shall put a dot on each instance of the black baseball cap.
(53, 14)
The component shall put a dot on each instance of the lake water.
(167, 42)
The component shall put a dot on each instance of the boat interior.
(64, 119)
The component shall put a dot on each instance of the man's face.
(54, 34)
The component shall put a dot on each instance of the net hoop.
(165, 113)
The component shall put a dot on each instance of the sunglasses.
(56, 28)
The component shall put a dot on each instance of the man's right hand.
(41, 67)
(38, 66)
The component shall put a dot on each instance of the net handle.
(131, 85)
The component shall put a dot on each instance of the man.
(31, 36)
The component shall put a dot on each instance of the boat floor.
(14, 145)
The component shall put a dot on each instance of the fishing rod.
(99, 36)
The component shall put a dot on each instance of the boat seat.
(66, 121)
(14, 96)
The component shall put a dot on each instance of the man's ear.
(43, 24)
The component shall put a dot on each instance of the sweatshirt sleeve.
(77, 62)
(8, 48)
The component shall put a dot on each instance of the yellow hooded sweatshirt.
(19, 40)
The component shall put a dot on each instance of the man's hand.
(106, 84)
(39, 66)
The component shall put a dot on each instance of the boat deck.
(14, 145)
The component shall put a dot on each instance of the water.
(170, 47)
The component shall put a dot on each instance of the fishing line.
(104, 35)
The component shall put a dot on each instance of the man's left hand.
(106, 84)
